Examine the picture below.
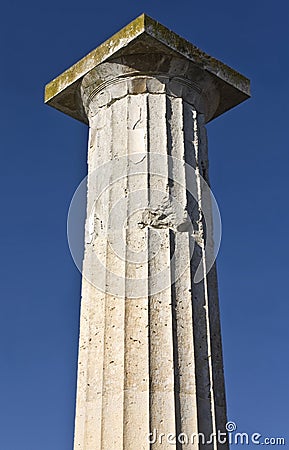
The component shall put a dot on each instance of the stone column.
(150, 356)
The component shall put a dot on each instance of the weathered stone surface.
(150, 354)
(149, 362)
(146, 36)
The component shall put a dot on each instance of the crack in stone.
(139, 160)
(138, 120)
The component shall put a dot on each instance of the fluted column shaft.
(150, 357)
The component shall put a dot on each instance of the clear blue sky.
(43, 159)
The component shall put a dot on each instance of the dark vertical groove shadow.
(178, 424)
(217, 354)
(202, 380)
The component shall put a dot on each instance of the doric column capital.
(145, 46)
(149, 73)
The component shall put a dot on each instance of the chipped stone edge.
(145, 24)
(194, 54)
